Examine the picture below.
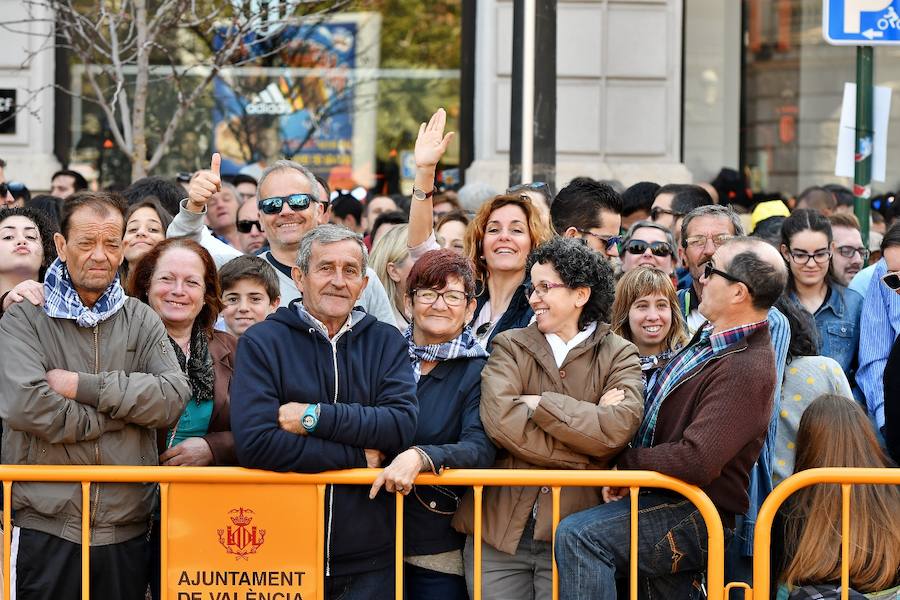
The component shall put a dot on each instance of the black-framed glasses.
(608, 241)
(709, 270)
(451, 297)
(820, 257)
(892, 280)
(246, 226)
(297, 202)
(657, 248)
(534, 186)
(658, 211)
(849, 251)
(542, 288)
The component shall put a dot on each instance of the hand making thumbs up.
(204, 185)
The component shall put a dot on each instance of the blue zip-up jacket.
(364, 385)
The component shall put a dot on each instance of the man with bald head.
(706, 420)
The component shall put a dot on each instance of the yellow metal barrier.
(763, 532)
(477, 479)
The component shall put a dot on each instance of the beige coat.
(569, 429)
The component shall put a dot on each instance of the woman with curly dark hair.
(563, 393)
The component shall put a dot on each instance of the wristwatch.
(420, 195)
(310, 418)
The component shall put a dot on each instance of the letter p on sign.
(854, 8)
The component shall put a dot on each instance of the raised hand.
(204, 185)
(431, 144)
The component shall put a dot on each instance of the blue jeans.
(593, 549)
(425, 584)
(372, 585)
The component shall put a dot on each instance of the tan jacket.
(129, 384)
(569, 429)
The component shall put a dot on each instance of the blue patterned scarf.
(463, 346)
(61, 301)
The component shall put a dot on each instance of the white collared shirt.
(561, 349)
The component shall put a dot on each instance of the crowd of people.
(278, 324)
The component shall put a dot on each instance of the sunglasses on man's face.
(273, 205)
(13, 187)
(892, 280)
(656, 248)
(247, 226)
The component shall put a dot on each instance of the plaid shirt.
(706, 346)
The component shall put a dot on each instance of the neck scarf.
(62, 301)
(463, 346)
(199, 366)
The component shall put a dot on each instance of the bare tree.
(128, 45)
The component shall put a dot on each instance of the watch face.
(308, 421)
(418, 194)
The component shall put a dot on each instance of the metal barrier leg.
(738, 585)
(476, 576)
(86, 540)
(398, 542)
(845, 539)
(320, 541)
(7, 538)
(633, 552)
(163, 541)
(556, 493)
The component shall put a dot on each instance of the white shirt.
(561, 349)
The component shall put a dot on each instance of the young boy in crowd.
(250, 292)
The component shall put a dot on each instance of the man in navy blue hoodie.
(320, 385)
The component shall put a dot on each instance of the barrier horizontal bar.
(762, 536)
(466, 477)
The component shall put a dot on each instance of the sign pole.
(862, 172)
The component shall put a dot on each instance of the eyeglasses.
(699, 241)
(849, 251)
(607, 241)
(542, 288)
(657, 212)
(247, 226)
(892, 280)
(656, 248)
(451, 297)
(709, 270)
(297, 202)
(802, 258)
(535, 186)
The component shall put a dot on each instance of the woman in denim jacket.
(807, 246)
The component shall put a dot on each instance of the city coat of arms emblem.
(240, 538)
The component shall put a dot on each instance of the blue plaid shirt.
(704, 347)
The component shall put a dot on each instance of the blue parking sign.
(861, 22)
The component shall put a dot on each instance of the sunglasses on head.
(656, 248)
(247, 226)
(297, 202)
(358, 192)
(13, 187)
(537, 186)
(892, 280)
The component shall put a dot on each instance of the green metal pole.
(862, 172)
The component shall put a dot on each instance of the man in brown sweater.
(705, 421)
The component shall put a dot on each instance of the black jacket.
(518, 314)
(364, 384)
(451, 434)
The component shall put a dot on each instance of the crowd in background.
(276, 323)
